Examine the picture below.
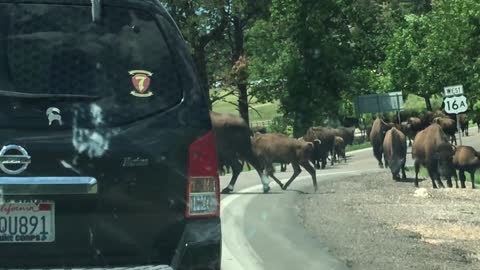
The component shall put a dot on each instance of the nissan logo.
(14, 155)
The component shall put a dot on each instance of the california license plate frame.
(31, 221)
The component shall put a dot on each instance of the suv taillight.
(203, 190)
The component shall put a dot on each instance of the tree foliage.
(314, 56)
(437, 49)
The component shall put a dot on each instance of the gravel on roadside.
(373, 222)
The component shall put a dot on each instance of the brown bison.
(324, 135)
(432, 150)
(395, 152)
(463, 120)
(339, 149)
(367, 132)
(274, 147)
(379, 128)
(232, 136)
(407, 131)
(476, 119)
(449, 126)
(346, 133)
(416, 124)
(466, 159)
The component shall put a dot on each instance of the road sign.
(378, 103)
(455, 90)
(456, 104)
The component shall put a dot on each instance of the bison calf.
(278, 148)
(466, 159)
(395, 152)
(432, 150)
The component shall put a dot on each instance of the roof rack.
(96, 10)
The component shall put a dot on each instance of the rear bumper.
(199, 248)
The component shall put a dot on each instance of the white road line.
(243, 250)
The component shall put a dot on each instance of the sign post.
(455, 103)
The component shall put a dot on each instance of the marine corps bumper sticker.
(141, 81)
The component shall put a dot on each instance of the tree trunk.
(428, 104)
(243, 102)
(238, 51)
(200, 57)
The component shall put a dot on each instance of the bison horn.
(318, 140)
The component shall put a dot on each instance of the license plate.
(27, 222)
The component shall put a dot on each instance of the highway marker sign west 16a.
(455, 103)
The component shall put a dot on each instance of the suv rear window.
(58, 50)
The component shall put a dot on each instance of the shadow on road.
(410, 180)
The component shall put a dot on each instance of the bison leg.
(433, 176)
(236, 169)
(270, 172)
(453, 139)
(377, 152)
(311, 171)
(462, 178)
(438, 177)
(417, 169)
(472, 178)
(449, 182)
(455, 177)
(404, 175)
(296, 171)
(324, 162)
(283, 167)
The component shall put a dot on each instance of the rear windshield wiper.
(4, 93)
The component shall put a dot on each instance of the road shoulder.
(373, 222)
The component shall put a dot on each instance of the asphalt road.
(262, 231)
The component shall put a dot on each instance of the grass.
(359, 146)
(260, 111)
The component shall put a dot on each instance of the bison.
(405, 128)
(463, 120)
(395, 152)
(346, 133)
(466, 159)
(275, 147)
(449, 126)
(339, 149)
(476, 120)
(232, 136)
(432, 150)
(324, 135)
(379, 128)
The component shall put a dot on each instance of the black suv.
(107, 155)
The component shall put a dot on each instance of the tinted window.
(58, 50)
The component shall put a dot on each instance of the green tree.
(437, 49)
(302, 57)
(201, 22)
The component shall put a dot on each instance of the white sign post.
(455, 103)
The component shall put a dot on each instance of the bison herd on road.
(237, 144)
(433, 147)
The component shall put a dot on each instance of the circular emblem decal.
(14, 159)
